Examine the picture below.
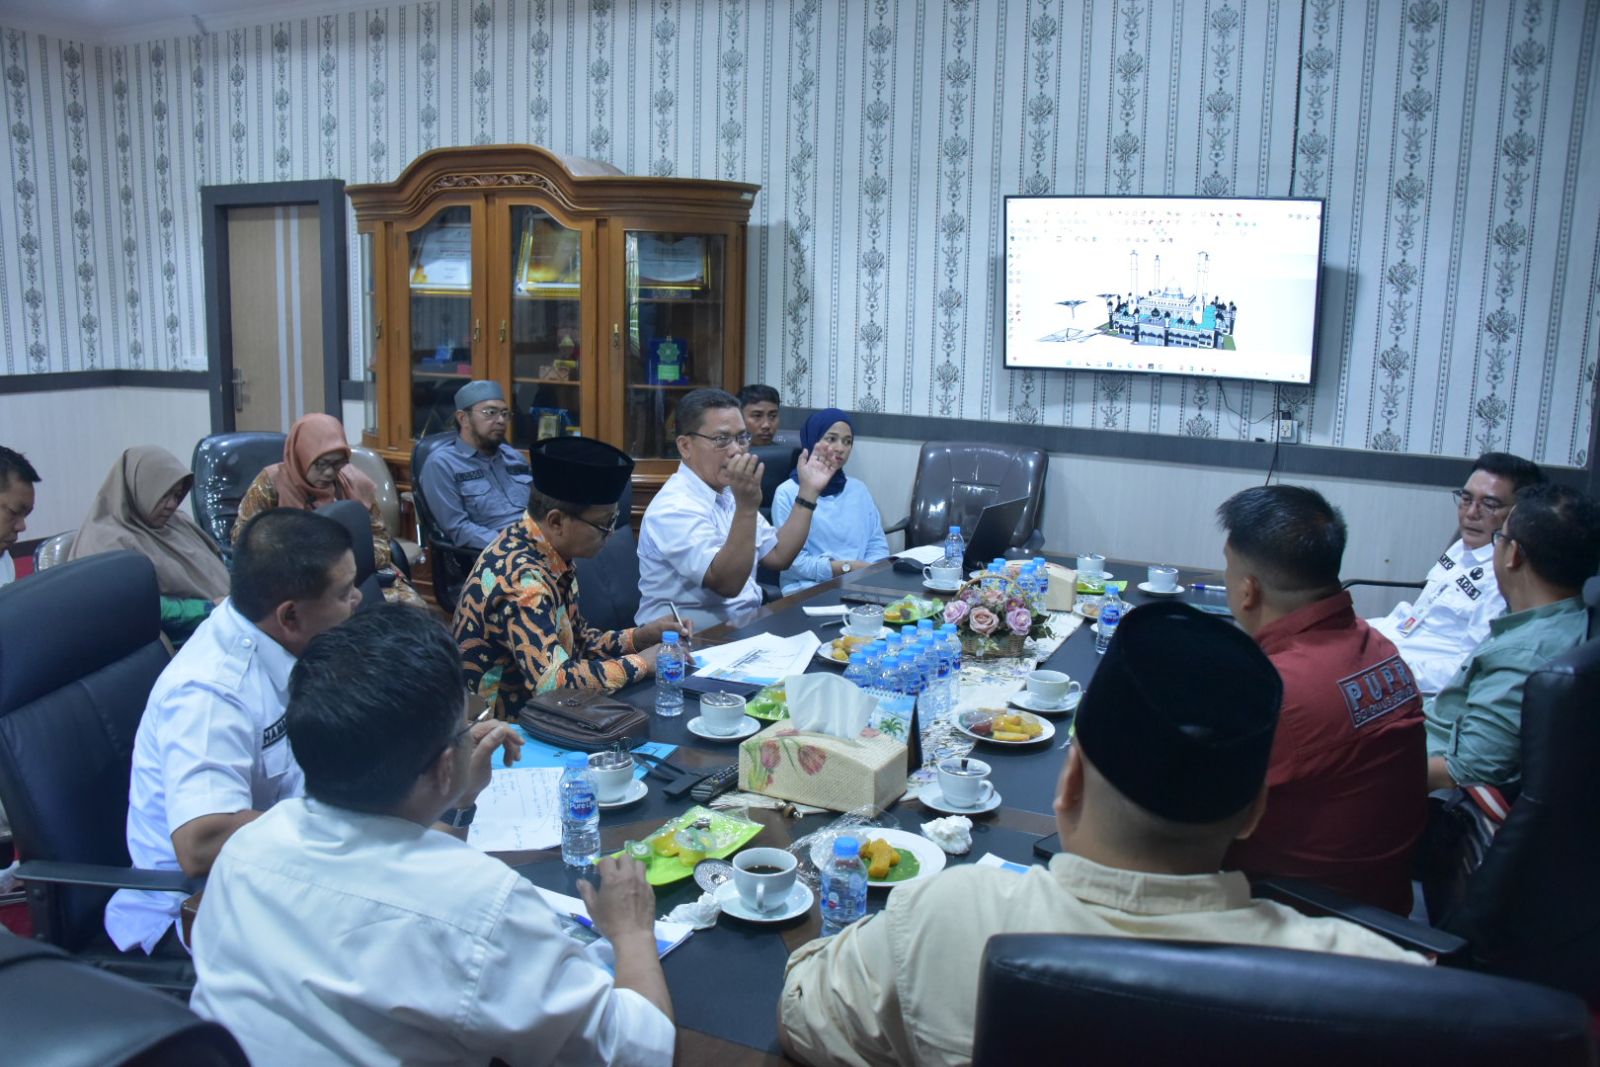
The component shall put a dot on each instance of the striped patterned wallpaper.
(1450, 137)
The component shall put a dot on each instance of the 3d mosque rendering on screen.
(1165, 316)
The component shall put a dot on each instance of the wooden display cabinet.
(596, 299)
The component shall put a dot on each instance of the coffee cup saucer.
(1146, 587)
(632, 795)
(797, 902)
(1028, 702)
(933, 797)
(747, 726)
(940, 587)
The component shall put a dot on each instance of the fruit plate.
(919, 857)
(980, 724)
(910, 609)
(769, 705)
(729, 831)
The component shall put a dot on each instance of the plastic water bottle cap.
(670, 637)
(948, 628)
(924, 624)
(577, 761)
(956, 530)
(1038, 561)
(858, 658)
(846, 847)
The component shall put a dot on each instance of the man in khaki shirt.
(1169, 768)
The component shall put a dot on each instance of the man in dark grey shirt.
(477, 485)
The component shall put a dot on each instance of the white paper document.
(760, 660)
(668, 935)
(521, 809)
(923, 554)
(826, 610)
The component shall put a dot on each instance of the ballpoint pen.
(1204, 588)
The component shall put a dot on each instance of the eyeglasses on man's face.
(1491, 505)
(606, 528)
(723, 441)
(494, 414)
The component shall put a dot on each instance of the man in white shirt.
(703, 535)
(17, 479)
(1169, 768)
(210, 754)
(341, 928)
(1449, 620)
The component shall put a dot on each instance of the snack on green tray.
(910, 608)
(723, 832)
(769, 705)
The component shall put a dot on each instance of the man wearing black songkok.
(1168, 768)
(517, 622)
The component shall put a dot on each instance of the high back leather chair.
(372, 465)
(777, 461)
(52, 551)
(80, 648)
(354, 517)
(451, 564)
(1052, 998)
(60, 1011)
(224, 465)
(1531, 910)
(608, 584)
(956, 480)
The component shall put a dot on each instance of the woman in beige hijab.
(315, 471)
(138, 508)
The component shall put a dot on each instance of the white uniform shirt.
(1450, 619)
(332, 937)
(684, 528)
(211, 742)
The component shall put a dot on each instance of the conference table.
(725, 981)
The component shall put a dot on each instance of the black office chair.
(1529, 911)
(451, 564)
(777, 461)
(608, 584)
(224, 465)
(1050, 998)
(355, 518)
(1591, 600)
(956, 480)
(80, 648)
(58, 1011)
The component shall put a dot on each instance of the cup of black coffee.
(764, 877)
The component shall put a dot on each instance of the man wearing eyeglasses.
(703, 535)
(477, 485)
(517, 623)
(1446, 624)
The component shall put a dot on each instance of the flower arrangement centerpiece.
(993, 618)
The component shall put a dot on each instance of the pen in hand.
(1204, 588)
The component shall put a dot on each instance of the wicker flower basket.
(1002, 643)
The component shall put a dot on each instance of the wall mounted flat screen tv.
(1205, 286)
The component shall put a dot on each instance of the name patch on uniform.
(1378, 690)
(274, 733)
(1464, 583)
(469, 476)
(1447, 563)
(518, 468)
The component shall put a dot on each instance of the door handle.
(238, 390)
(616, 335)
(377, 330)
(502, 331)
(477, 330)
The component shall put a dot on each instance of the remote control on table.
(715, 784)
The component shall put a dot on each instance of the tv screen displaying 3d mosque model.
(1223, 288)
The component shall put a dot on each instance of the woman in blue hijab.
(846, 531)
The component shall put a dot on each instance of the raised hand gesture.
(813, 472)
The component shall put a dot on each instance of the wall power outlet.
(1289, 431)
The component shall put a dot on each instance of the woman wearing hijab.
(315, 471)
(138, 508)
(847, 530)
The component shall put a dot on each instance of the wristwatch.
(459, 818)
(844, 568)
(809, 505)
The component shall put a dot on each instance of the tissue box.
(818, 769)
(1063, 588)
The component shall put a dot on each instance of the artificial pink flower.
(983, 621)
(956, 610)
(1019, 621)
(994, 600)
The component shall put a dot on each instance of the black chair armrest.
(1381, 582)
(1313, 899)
(897, 527)
(1034, 542)
(397, 555)
(106, 877)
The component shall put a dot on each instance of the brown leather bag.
(583, 719)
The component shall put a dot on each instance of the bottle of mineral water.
(856, 673)
(1043, 568)
(950, 650)
(844, 886)
(955, 547)
(580, 814)
(1110, 615)
(671, 663)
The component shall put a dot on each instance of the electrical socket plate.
(1289, 431)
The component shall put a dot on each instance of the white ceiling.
(123, 21)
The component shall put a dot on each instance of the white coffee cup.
(611, 779)
(721, 713)
(1163, 579)
(764, 877)
(864, 620)
(965, 782)
(948, 577)
(1091, 564)
(1051, 688)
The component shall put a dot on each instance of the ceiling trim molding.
(86, 32)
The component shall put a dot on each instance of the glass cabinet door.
(370, 317)
(546, 325)
(673, 302)
(440, 276)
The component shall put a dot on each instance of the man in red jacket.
(1345, 801)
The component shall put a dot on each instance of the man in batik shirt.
(517, 622)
